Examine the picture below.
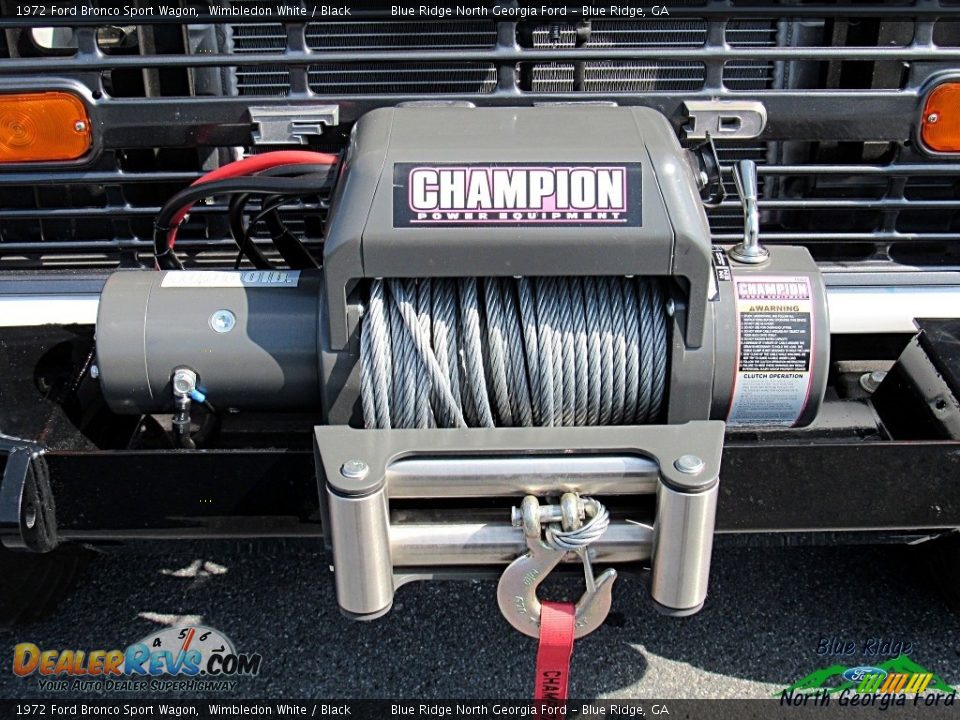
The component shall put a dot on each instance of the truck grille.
(371, 78)
(840, 170)
(649, 75)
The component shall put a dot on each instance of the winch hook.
(517, 590)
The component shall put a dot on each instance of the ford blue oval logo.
(857, 674)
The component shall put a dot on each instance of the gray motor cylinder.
(772, 342)
(251, 337)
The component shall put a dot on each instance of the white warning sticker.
(774, 350)
(226, 279)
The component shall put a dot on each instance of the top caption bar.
(292, 10)
(223, 11)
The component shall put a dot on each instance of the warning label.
(774, 351)
(774, 341)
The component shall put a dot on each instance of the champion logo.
(516, 194)
(534, 188)
(799, 290)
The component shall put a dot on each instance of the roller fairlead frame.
(375, 554)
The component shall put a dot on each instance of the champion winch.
(517, 308)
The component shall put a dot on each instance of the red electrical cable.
(249, 166)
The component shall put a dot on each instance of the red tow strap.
(557, 623)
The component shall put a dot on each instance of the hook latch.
(517, 590)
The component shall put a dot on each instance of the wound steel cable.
(490, 352)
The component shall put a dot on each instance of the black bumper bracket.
(27, 513)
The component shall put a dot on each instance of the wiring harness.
(276, 178)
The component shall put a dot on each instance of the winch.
(517, 307)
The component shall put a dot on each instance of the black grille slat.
(117, 212)
(94, 177)
(927, 53)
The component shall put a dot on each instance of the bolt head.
(354, 469)
(94, 371)
(80, 126)
(223, 321)
(184, 382)
(871, 381)
(689, 464)
(933, 117)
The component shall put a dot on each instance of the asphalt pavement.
(767, 612)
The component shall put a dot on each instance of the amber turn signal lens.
(940, 125)
(43, 127)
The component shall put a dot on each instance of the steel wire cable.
(525, 352)
(580, 538)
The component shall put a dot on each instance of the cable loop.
(590, 531)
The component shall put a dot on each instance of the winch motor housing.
(454, 192)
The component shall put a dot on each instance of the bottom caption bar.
(907, 707)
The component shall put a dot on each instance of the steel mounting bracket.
(27, 513)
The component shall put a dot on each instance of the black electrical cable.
(208, 426)
(246, 239)
(165, 256)
(242, 232)
(238, 228)
(322, 171)
(288, 245)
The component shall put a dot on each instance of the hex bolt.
(871, 381)
(354, 469)
(689, 464)
(933, 117)
(184, 382)
(223, 321)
